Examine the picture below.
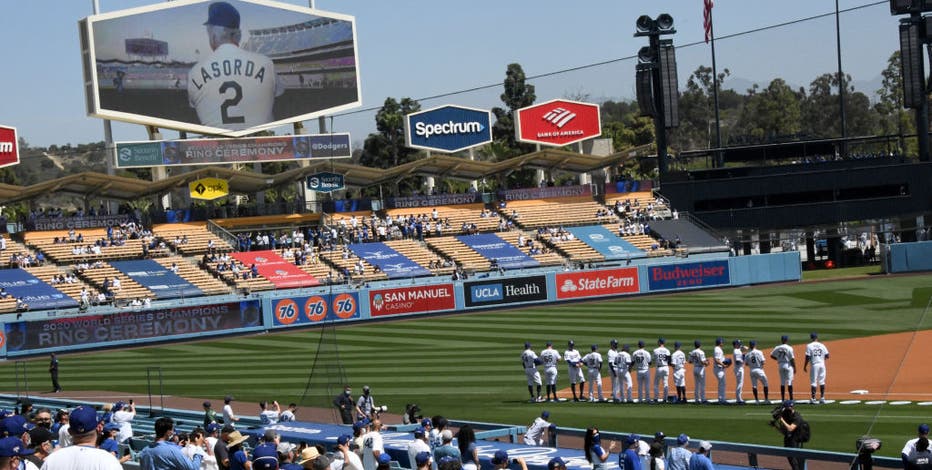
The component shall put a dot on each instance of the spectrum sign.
(597, 283)
(448, 128)
(679, 276)
(558, 123)
(9, 146)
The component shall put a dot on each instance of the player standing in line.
(573, 358)
(662, 371)
(642, 366)
(593, 362)
(738, 363)
(699, 361)
(719, 366)
(786, 361)
(816, 355)
(623, 369)
(232, 88)
(611, 357)
(756, 361)
(678, 360)
(530, 361)
(549, 358)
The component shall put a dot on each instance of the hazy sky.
(420, 48)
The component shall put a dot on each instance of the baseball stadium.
(766, 305)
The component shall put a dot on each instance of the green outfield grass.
(467, 366)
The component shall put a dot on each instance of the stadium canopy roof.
(121, 188)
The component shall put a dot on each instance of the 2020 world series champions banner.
(84, 331)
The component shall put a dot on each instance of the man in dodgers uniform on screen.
(816, 354)
(530, 361)
(786, 361)
(232, 88)
(549, 358)
(573, 358)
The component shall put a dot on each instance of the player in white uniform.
(534, 436)
(786, 362)
(593, 362)
(661, 358)
(611, 358)
(718, 367)
(756, 360)
(549, 358)
(573, 359)
(698, 360)
(623, 369)
(530, 361)
(678, 360)
(738, 363)
(816, 355)
(642, 360)
(232, 88)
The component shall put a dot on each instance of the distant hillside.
(39, 164)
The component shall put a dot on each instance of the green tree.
(770, 113)
(697, 111)
(386, 148)
(517, 94)
(892, 116)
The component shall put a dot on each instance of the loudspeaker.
(905, 7)
(912, 65)
(669, 85)
(645, 90)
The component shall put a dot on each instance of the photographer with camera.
(794, 428)
(365, 406)
(412, 414)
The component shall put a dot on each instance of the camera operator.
(365, 406)
(412, 414)
(789, 422)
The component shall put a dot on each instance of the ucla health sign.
(506, 291)
(448, 128)
(680, 276)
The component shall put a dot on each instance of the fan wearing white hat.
(701, 460)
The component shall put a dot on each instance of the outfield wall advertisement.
(86, 331)
(293, 311)
(414, 299)
(682, 276)
(576, 285)
(506, 291)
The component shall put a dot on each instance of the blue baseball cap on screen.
(222, 14)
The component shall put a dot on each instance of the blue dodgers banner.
(35, 292)
(291, 311)
(680, 276)
(506, 291)
(608, 244)
(494, 248)
(396, 445)
(157, 278)
(394, 264)
(90, 331)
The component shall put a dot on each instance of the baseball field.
(467, 366)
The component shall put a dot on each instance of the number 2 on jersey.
(237, 97)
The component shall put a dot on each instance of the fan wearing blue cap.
(549, 358)
(699, 361)
(661, 357)
(573, 360)
(595, 453)
(530, 361)
(755, 359)
(678, 361)
(628, 458)
(556, 463)
(593, 362)
(350, 459)
(229, 68)
(535, 432)
(123, 415)
(83, 428)
(642, 358)
(909, 450)
(816, 355)
(500, 460)
(678, 458)
(786, 364)
(418, 445)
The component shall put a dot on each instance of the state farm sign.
(9, 146)
(558, 123)
(597, 283)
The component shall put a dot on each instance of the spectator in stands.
(446, 449)
(419, 444)
(286, 457)
(288, 415)
(164, 454)
(210, 416)
(265, 455)
(238, 458)
(466, 442)
(679, 456)
(40, 441)
(123, 414)
(595, 453)
(108, 441)
(700, 460)
(83, 433)
(269, 415)
(221, 451)
(21, 305)
(372, 448)
(196, 446)
(228, 416)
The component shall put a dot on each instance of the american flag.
(707, 17)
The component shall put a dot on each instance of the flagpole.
(719, 160)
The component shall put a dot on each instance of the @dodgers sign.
(325, 182)
(558, 123)
(448, 128)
